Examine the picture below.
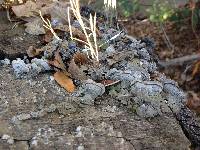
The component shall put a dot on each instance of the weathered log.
(190, 127)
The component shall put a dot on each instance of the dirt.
(38, 114)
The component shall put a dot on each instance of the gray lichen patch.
(22, 69)
(129, 63)
(123, 59)
(90, 91)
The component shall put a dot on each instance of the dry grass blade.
(93, 30)
(110, 3)
(110, 9)
(77, 32)
(47, 24)
(90, 44)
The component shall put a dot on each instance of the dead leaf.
(59, 59)
(80, 58)
(32, 52)
(196, 68)
(57, 62)
(48, 36)
(75, 71)
(76, 32)
(28, 9)
(57, 10)
(193, 101)
(63, 80)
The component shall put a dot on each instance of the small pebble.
(5, 61)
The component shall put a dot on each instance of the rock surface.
(38, 114)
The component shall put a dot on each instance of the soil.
(38, 114)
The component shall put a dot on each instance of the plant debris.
(64, 81)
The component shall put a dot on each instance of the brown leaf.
(32, 52)
(76, 32)
(196, 69)
(59, 59)
(56, 9)
(75, 71)
(57, 62)
(80, 58)
(28, 9)
(193, 101)
(64, 81)
(48, 37)
(54, 63)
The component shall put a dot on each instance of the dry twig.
(179, 61)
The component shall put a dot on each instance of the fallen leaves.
(32, 52)
(35, 27)
(57, 62)
(64, 81)
(75, 71)
(193, 102)
(196, 69)
(63, 77)
(29, 12)
(80, 58)
(28, 9)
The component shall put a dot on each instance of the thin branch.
(179, 61)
